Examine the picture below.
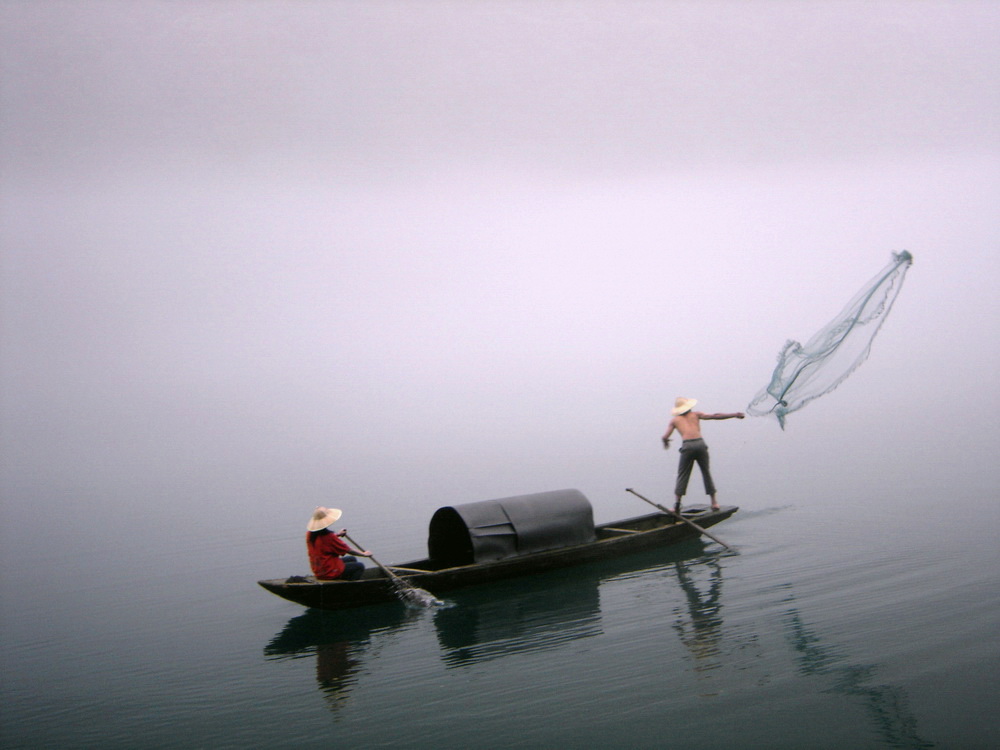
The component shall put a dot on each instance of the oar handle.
(406, 591)
(372, 558)
(680, 517)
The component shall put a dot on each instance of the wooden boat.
(478, 543)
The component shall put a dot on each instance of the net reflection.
(887, 706)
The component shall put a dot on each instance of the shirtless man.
(688, 424)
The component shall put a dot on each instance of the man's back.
(688, 424)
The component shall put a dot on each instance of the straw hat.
(683, 405)
(323, 517)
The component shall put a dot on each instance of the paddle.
(403, 588)
(681, 517)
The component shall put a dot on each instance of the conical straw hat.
(323, 517)
(682, 405)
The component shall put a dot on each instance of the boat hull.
(613, 540)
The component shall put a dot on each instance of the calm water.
(828, 627)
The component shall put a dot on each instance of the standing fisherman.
(688, 424)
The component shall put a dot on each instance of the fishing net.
(807, 372)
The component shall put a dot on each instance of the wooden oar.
(404, 587)
(681, 517)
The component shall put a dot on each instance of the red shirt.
(324, 554)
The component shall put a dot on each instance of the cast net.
(806, 372)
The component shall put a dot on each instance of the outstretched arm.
(734, 415)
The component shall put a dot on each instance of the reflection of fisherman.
(687, 423)
(342, 646)
(335, 668)
(703, 637)
(328, 555)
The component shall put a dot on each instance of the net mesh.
(806, 372)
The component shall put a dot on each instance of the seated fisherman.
(329, 556)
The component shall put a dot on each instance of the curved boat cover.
(509, 527)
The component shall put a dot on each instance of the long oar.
(403, 587)
(681, 517)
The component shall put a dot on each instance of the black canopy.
(511, 526)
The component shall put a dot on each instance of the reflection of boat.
(497, 539)
(304, 633)
(515, 617)
(541, 613)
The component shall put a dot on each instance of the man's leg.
(353, 569)
(683, 475)
(706, 475)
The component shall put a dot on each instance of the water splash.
(414, 597)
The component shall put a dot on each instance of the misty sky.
(468, 249)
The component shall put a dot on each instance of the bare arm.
(668, 433)
(734, 415)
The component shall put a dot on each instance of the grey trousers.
(692, 451)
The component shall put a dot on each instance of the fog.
(386, 256)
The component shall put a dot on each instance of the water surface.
(819, 631)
